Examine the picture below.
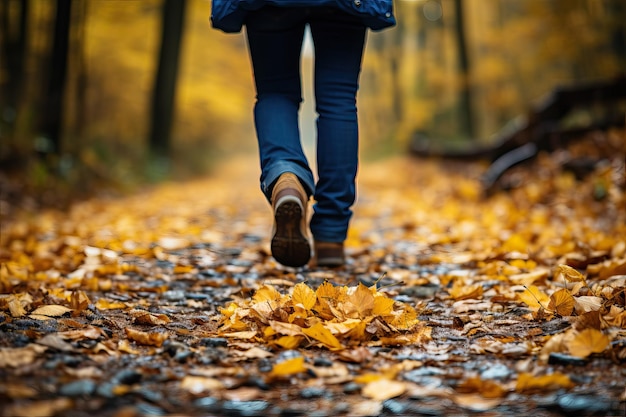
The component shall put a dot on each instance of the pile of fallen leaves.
(359, 316)
(169, 302)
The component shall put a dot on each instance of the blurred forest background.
(124, 92)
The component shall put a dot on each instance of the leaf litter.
(169, 303)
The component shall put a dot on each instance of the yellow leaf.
(182, 269)
(228, 311)
(534, 298)
(569, 273)
(528, 383)
(383, 389)
(327, 291)
(383, 306)
(327, 296)
(323, 335)
(266, 293)
(289, 342)
(304, 295)
(289, 367)
(561, 302)
(104, 304)
(403, 319)
(461, 291)
(51, 310)
(586, 342)
(363, 300)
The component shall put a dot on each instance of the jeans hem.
(271, 174)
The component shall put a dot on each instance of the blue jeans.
(275, 37)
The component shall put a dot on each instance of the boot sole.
(289, 244)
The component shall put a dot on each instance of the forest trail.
(168, 302)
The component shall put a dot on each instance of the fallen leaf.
(55, 341)
(304, 295)
(145, 317)
(79, 300)
(461, 291)
(528, 383)
(383, 306)
(363, 300)
(588, 341)
(534, 298)
(486, 388)
(569, 273)
(587, 303)
(19, 357)
(383, 389)
(561, 302)
(475, 402)
(323, 335)
(288, 329)
(124, 346)
(200, 384)
(289, 367)
(51, 311)
(104, 304)
(146, 338)
(254, 352)
(245, 335)
(16, 308)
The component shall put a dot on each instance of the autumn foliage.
(450, 300)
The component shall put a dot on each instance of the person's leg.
(275, 41)
(339, 41)
(275, 38)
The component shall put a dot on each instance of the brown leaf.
(146, 338)
(561, 302)
(145, 317)
(18, 357)
(79, 300)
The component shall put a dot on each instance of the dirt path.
(168, 302)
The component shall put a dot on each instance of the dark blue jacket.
(229, 15)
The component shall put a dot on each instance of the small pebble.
(79, 388)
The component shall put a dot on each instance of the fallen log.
(542, 128)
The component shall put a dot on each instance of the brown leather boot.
(290, 244)
(329, 254)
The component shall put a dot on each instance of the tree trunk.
(465, 96)
(164, 90)
(14, 45)
(52, 116)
